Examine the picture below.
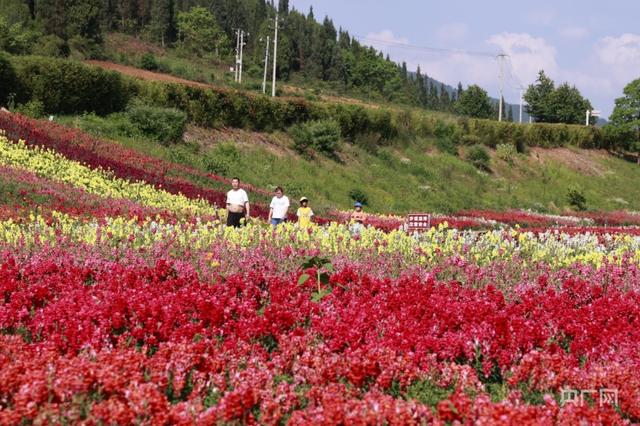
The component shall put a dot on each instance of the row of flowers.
(489, 219)
(97, 334)
(124, 163)
(554, 248)
(53, 166)
(26, 193)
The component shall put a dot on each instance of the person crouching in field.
(237, 204)
(357, 219)
(304, 213)
(278, 208)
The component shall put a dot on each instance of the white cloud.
(574, 33)
(453, 32)
(385, 41)
(614, 63)
(623, 50)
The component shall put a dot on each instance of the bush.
(321, 135)
(112, 126)
(33, 109)
(447, 137)
(222, 159)
(8, 79)
(370, 142)
(359, 195)
(506, 152)
(446, 146)
(69, 87)
(51, 45)
(576, 198)
(149, 62)
(479, 157)
(164, 125)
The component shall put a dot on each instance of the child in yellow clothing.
(304, 213)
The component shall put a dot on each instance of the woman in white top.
(278, 208)
(237, 204)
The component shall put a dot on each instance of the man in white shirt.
(237, 204)
(278, 208)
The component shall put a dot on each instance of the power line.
(425, 48)
(512, 75)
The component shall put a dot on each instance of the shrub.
(385, 156)
(370, 142)
(506, 152)
(222, 159)
(50, 45)
(112, 126)
(447, 137)
(479, 157)
(356, 194)
(576, 198)
(321, 135)
(34, 109)
(69, 87)
(8, 79)
(447, 146)
(149, 62)
(164, 125)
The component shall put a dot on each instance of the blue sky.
(593, 45)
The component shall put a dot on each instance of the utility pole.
(275, 58)
(501, 57)
(241, 50)
(521, 105)
(266, 65)
(235, 68)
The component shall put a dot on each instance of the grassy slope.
(402, 177)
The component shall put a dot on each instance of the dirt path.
(147, 75)
(167, 78)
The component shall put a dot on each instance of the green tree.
(16, 37)
(421, 88)
(326, 51)
(549, 104)
(445, 99)
(474, 102)
(200, 33)
(566, 105)
(83, 19)
(537, 98)
(76, 22)
(283, 7)
(8, 79)
(162, 20)
(624, 122)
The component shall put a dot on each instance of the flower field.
(124, 301)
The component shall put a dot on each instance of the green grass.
(401, 177)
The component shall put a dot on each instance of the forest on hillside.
(310, 50)
(307, 48)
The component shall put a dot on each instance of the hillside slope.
(396, 159)
(398, 178)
